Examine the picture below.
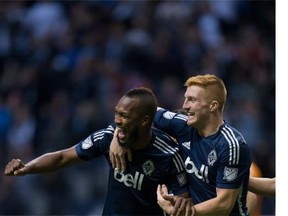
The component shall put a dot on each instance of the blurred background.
(64, 65)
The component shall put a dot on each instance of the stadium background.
(63, 66)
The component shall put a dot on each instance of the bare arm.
(45, 163)
(262, 186)
(222, 204)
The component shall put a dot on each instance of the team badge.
(230, 173)
(87, 143)
(148, 167)
(169, 115)
(186, 145)
(212, 157)
(181, 179)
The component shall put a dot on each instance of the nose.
(117, 119)
(185, 105)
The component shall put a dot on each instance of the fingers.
(179, 208)
(159, 193)
(182, 206)
(164, 204)
(20, 172)
(15, 167)
(189, 210)
(117, 154)
(122, 164)
(164, 189)
(118, 163)
(112, 159)
(165, 195)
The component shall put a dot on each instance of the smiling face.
(128, 121)
(197, 105)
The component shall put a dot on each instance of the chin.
(191, 123)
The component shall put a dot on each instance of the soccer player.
(216, 156)
(156, 159)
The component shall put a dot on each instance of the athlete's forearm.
(46, 163)
(222, 204)
(211, 208)
(52, 161)
(262, 186)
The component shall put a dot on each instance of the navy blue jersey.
(133, 192)
(221, 160)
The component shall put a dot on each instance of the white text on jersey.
(191, 168)
(129, 180)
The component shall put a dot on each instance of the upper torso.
(221, 160)
(133, 192)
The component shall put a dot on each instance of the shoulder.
(100, 134)
(231, 135)
(163, 137)
(169, 115)
(164, 142)
(233, 146)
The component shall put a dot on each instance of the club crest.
(182, 180)
(212, 157)
(148, 167)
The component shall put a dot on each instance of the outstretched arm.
(45, 163)
(262, 186)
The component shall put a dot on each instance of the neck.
(210, 127)
(143, 140)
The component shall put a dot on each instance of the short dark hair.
(147, 100)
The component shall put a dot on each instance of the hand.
(173, 204)
(117, 154)
(182, 206)
(15, 168)
(166, 205)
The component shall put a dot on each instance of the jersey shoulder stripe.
(234, 147)
(167, 149)
(181, 117)
(165, 146)
(100, 134)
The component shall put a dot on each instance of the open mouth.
(122, 135)
(190, 113)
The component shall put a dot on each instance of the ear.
(214, 105)
(146, 120)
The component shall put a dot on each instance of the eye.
(191, 99)
(122, 115)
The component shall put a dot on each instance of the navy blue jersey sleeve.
(178, 183)
(95, 145)
(172, 123)
(235, 160)
(173, 169)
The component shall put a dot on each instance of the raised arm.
(45, 163)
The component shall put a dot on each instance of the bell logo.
(129, 180)
(200, 174)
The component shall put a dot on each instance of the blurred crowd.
(64, 65)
